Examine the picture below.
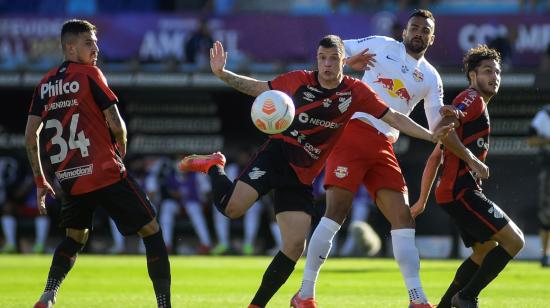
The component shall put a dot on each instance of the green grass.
(122, 281)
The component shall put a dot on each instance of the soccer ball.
(272, 112)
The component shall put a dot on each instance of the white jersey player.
(401, 80)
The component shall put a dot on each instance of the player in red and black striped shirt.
(493, 236)
(76, 136)
(288, 162)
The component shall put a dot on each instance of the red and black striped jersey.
(321, 115)
(76, 145)
(474, 133)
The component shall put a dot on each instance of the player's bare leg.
(545, 244)
(295, 226)
(158, 264)
(63, 260)
(339, 202)
(510, 242)
(242, 198)
(466, 271)
(395, 207)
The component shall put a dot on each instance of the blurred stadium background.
(154, 57)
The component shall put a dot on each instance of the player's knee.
(338, 212)
(149, 229)
(234, 210)
(516, 244)
(80, 236)
(294, 248)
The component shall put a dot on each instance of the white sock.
(317, 252)
(42, 227)
(8, 226)
(406, 255)
(168, 210)
(221, 225)
(194, 210)
(251, 223)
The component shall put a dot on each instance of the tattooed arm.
(117, 127)
(32, 131)
(247, 85)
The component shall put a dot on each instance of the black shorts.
(124, 201)
(477, 217)
(268, 169)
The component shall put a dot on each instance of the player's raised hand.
(362, 61)
(218, 57)
(442, 132)
(451, 111)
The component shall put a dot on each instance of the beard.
(416, 48)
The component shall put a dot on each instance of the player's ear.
(432, 40)
(404, 34)
(472, 74)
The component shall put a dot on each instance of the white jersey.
(400, 80)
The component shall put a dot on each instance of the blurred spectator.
(545, 61)
(188, 191)
(405, 5)
(504, 44)
(10, 178)
(540, 137)
(197, 48)
(527, 6)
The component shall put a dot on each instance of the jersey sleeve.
(288, 82)
(470, 102)
(37, 103)
(369, 101)
(101, 92)
(374, 42)
(434, 101)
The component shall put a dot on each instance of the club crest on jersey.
(344, 104)
(341, 172)
(418, 76)
(256, 173)
(404, 69)
(308, 96)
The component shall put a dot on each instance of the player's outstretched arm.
(428, 177)
(403, 123)
(247, 85)
(453, 143)
(362, 61)
(117, 127)
(34, 125)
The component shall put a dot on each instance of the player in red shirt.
(493, 236)
(76, 136)
(289, 162)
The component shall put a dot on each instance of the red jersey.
(474, 133)
(76, 145)
(321, 115)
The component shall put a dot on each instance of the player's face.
(85, 48)
(486, 78)
(330, 63)
(419, 34)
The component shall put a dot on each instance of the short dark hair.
(74, 27)
(332, 41)
(473, 57)
(423, 13)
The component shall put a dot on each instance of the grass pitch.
(122, 281)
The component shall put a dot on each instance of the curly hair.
(473, 57)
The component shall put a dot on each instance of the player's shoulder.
(300, 74)
(429, 70)
(467, 98)
(90, 70)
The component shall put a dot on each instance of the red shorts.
(364, 155)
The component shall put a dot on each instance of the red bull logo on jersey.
(58, 87)
(341, 172)
(395, 88)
